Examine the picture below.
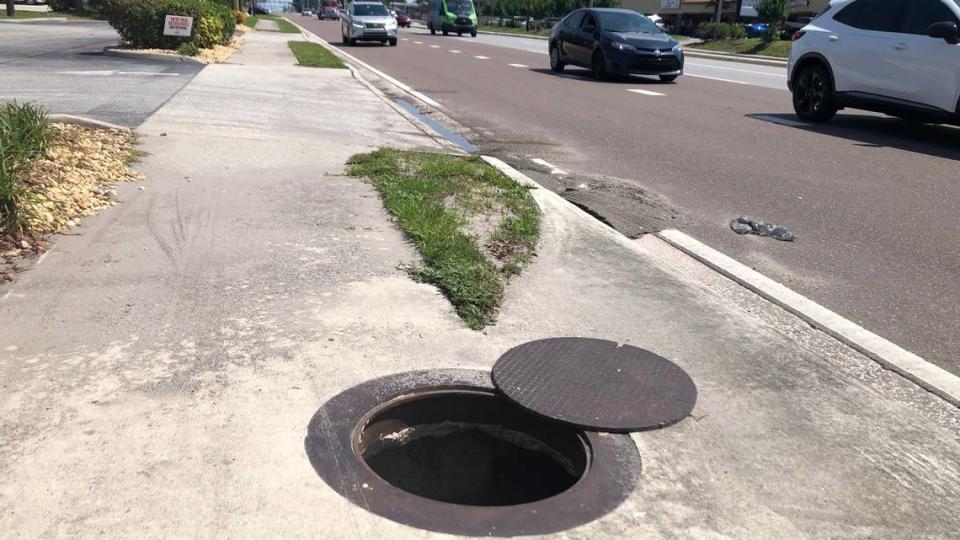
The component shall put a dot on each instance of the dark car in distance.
(403, 20)
(614, 41)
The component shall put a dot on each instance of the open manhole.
(443, 450)
(471, 447)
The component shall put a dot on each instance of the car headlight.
(678, 48)
(391, 25)
(622, 46)
(358, 24)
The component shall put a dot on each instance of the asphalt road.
(60, 66)
(872, 200)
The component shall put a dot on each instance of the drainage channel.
(537, 446)
(439, 128)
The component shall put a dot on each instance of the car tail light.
(798, 35)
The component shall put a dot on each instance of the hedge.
(712, 31)
(140, 22)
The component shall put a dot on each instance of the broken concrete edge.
(84, 121)
(427, 130)
(356, 62)
(891, 356)
(132, 53)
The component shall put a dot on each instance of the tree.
(772, 12)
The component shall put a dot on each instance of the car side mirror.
(946, 30)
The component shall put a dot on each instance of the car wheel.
(473, 34)
(668, 78)
(459, 34)
(555, 63)
(598, 66)
(393, 42)
(445, 32)
(433, 31)
(813, 98)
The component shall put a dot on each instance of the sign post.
(176, 25)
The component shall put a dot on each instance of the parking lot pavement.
(60, 66)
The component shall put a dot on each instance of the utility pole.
(11, 10)
(719, 11)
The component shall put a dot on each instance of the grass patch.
(314, 55)
(474, 227)
(513, 30)
(251, 20)
(778, 48)
(21, 14)
(284, 25)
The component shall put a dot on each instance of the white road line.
(519, 66)
(454, 51)
(482, 57)
(715, 78)
(553, 168)
(418, 43)
(405, 39)
(434, 46)
(888, 354)
(781, 121)
(644, 92)
(764, 73)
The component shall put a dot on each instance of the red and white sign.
(175, 25)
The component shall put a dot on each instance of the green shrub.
(25, 133)
(140, 22)
(714, 31)
(188, 49)
(61, 5)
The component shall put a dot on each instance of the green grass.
(25, 134)
(21, 14)
(314, 55)
(251, 21)
(284, 25)
(513, 30)
(474, 227)
(776, 48)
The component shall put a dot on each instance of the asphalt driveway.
(60, 66)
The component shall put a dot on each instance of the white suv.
(899, 57)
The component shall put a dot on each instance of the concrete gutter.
(143, 55)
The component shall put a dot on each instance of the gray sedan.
(367, 21)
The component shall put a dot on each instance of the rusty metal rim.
(611, 475)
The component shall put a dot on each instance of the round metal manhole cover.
(595, 384)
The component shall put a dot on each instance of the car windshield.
(619, 21)
(460, 7)
(370, 9)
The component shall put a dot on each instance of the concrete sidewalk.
(159, 370)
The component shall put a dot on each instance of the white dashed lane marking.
(454, 51)
(644, 92)
(519, 66)
(418, 43)
(482, 57)
(434, 46)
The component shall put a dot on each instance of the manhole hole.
(442, 450)
(595, 384)
(470, 447)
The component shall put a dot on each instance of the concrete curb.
(310, 36)
(740, 58)
(889, 355)
(129, 53)
(84, 121)
(38, 19)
